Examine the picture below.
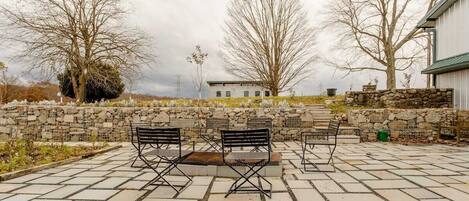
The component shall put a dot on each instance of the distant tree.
(270, 41)
(74, 36)
(6, 81)
(198, 58)
(110, 86)
(377, 35)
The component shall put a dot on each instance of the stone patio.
(366, 171)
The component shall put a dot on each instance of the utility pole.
(178, 86)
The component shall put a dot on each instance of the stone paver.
(421, 193)
(352, 196)
(327, 186)
(64, 191)
(366, 171)
(128, 195)
(395, 195)
(37, 189)
(110, 183)
(9, 187)
(90, 194)
(307, 194)
(389, 184)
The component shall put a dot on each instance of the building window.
(257, 94)
(228, 93)
(246, 93)
(218, 93)
(267, 93)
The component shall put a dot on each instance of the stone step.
(348, 139)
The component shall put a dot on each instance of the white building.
(236, 89)
(448, 21)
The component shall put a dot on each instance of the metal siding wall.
(453, 31)
(459, 81)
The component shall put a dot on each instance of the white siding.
(459, 81)
(453, 30)
(236, 90)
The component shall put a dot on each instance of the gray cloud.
(176, 26)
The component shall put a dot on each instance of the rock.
(107, 124)
(32, 118)
(406, 115)
(69, 118)
(162, 117)
(433, 117)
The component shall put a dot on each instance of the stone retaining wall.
(401, 98)
(403, 124)
(67, 123)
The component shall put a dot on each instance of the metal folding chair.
(326, 138)
(212, 138)
(259, 122)
(254, 161)
(134, 140)
(161, 140)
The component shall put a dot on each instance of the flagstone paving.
(366, 171)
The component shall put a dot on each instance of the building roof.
(234, 82)
(428, 21)
(449, 64)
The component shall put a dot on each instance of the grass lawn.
(18, 154)
(252, 102)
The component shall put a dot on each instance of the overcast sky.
(176, 26)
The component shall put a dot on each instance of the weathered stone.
(433, 117)
(69, 118)
(406, 115)
(161, 118)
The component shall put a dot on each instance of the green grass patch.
(253, 102)
(21, 154)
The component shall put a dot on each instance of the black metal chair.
(212, 138)
(254, 161)
(293, 122)
(161, 140)
(134, 139)
(259, 122)
(325, 138)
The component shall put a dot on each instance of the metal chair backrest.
(217, 123)
(259, 122)
(293, 122)
(159, 136)
(333, 128)
(245, 138)
(133, 130)
(182, 123)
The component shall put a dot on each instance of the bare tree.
(198, 58)
(377, 35)
(77, 35)
(6, 81)
(407, 79)
(270, 41)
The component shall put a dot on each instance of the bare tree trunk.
(81, 95)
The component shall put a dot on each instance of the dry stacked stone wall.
(71, 123)
(407, 125)
(401, 98)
